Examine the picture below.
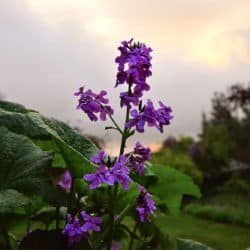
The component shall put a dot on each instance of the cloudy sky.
(49, 48)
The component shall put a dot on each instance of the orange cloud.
(202, 31)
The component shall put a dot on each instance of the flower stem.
(71, 195)
(6, 238)
(113, 120)
(28, 223)
(57, 217)
(132, 236)
(114, 196)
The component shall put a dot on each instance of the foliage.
(45, 138)
(23, 168)
(11, 199)
(223, 135)
(214, 234)
(74, 148)
(170, 187)
(180, 161)
(25, 165)
(184, 244)
(220, 213)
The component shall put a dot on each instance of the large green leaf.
(21, 123)
(23, 165)
(75, 160)
(58, 160)
(171, 185)
(23, 169)
(13, 107)
(11, 199)
(25, 121)
(71, 148)
(47, 215)
(186, 244)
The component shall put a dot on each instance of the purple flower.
(134, 65)
(92, 104)
(147, 115)
(145, 204)
(102, 175)
(163, 116)
(99, 158)
(65, 182)
(127, 99)
(90, 223)
(73, 230)
(150, 116)
(120, 172)
(76, 228)
(138, 157)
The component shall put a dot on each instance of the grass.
(228, 207)
(220, 213)
(216, 235)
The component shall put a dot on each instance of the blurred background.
(201, 61)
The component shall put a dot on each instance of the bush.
(180, 161)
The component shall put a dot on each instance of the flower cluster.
(78, 228)
(92, 103)
(150, 116)
(134, 65)
(117, 173)
(145, 204)
(65, 182)
(138, 156)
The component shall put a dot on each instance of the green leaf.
(23, 165)
(13, 241)
(11, 199)
(77, 163)
(127, 198)
(171, 185)
(185, 244)
(71, 148)
(22, 123)
(73, 138)
(54, 195)
(153, 237)
(13, 107)
(32, 124)
(48, 214)
(45, 145)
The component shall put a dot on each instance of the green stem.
(132, 236)
(113, 198)
(71, 196)
(57, 217)
(6, 238)
(123, 214)
(28, 223)
(112, 119)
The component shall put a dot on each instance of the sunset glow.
(211, 38)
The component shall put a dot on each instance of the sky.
(49, 48)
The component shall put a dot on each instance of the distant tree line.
(223, 145)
